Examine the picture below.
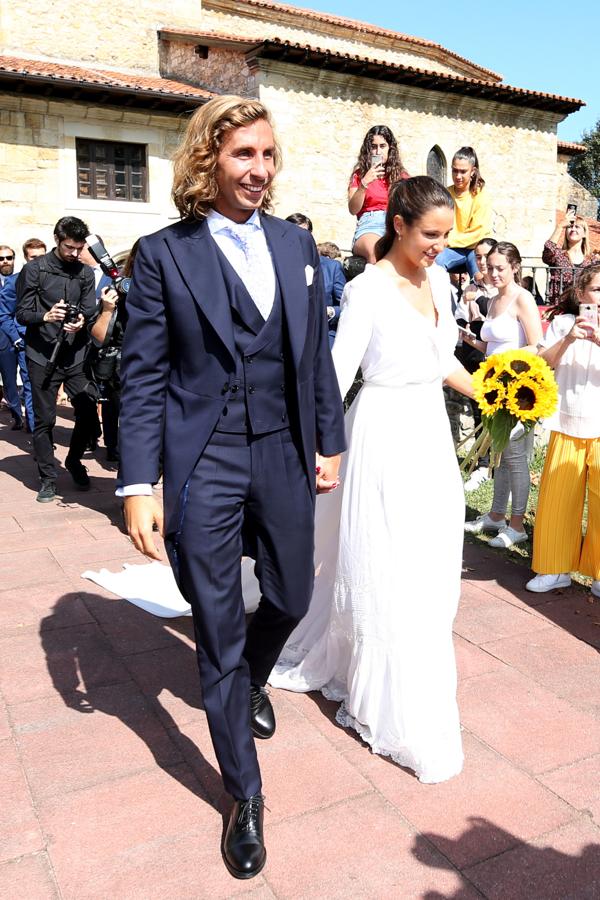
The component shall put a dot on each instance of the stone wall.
(570, 191)
(321, 119)
(38, 179)
(110, 35)
(223, 69)
(235, 19)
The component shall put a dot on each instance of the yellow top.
(472, 218)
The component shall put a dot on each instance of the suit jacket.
(179, 352)
(8, 304)
(334, 282)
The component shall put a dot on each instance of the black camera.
(72, 313)
(107, 263)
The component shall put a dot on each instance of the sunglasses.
(7, 258)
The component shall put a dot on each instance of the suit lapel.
(195, 255)
(289, 266)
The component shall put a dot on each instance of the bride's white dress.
(378, 636)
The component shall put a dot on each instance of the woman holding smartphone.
(379, 167)
(512, 323)
(572, 348)
(567, 249)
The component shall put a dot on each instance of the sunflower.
(519, 362)
(486, 374)
(491, 397)
(529, 399)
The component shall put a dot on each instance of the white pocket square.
(309, 272)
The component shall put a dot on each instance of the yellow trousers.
(571, 464)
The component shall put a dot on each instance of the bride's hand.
(327, 469)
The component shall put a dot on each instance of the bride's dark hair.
(411, 199)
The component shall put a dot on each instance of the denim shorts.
(370, 223)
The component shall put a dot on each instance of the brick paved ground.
(108, 786)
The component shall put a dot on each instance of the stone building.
(92, 101)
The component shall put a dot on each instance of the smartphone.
(572, 209)
(465, 333)
(589, 312)
(376, 159)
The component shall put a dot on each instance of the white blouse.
(578, 378)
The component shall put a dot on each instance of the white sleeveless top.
(503, 332)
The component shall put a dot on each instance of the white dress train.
(378, 635)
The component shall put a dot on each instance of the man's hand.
(109, 298)
(77, 325)
(141, 513)
(327, 469)
(56, 313)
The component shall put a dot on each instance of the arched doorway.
(436, 165)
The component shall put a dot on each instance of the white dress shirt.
(245, 247)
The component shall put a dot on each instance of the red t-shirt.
(376, 195)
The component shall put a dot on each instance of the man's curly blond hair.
(195, 161)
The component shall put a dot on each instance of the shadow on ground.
(157, 654)
(523, 872)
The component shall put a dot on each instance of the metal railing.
(546, 283)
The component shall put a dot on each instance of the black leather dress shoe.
(244, 851)
(262, 717)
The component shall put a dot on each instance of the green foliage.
(586, 169)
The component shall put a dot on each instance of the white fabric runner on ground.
(152, 587)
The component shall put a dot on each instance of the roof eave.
(50, 87)
(296, 54)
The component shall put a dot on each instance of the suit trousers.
(27, 398)
(243, 489)
(8, 371)
(44, 390)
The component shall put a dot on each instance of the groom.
(227, 372)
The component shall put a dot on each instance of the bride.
(378, 636)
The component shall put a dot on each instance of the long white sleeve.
(354, 331)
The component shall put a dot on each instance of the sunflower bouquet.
(511, 387)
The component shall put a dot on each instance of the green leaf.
(500, 428)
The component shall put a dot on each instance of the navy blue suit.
(334, 282)
(10, 328)
(8, 364)
(238, 406)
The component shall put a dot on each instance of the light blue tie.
(253, 275)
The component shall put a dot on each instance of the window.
(436, 165)
(107, 170)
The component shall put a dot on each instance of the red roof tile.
(357, 25)
(101, 77)
(305, 54)
(571, 149)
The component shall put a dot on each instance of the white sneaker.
(484, 523)
(476, 479)
(596, 588)
(508, 537)
(542, 583)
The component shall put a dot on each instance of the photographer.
(55, 298)
(107, 333)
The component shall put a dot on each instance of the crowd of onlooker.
(61, 328)
(496, 310)
(62, 325)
